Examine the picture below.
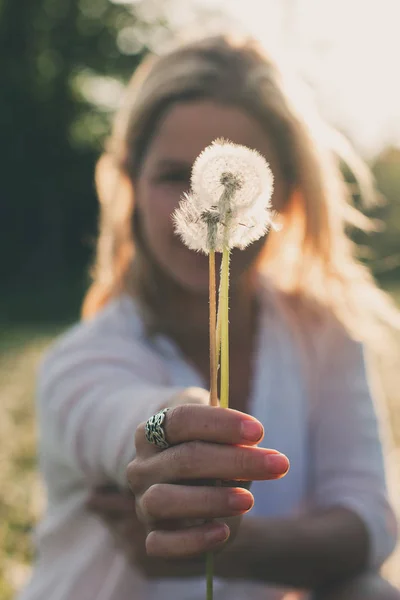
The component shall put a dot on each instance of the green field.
(21, 498)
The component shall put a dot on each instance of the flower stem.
(218, 335)
(213, 388)
(209, 575)
(220, 343)
(224, 318)
(213, 326)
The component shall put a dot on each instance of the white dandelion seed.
(250, 171)
(250, 226)
(230, 202)
(192, 229)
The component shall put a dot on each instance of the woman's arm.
(347, 467)
(305, 551)
(94, 390)
(350, 525)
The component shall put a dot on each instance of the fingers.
(200, 460)
(211, 424)
(162, 502)
(206, 423)
(186, 542)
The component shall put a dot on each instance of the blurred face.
(185, 131)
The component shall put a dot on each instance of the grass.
(21, 498)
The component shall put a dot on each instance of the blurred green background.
(63, 65)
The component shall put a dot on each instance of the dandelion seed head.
(192, 224)
(211, 216)
(231, 181)
(224, 165)
(230, 202)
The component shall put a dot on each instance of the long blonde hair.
(312, 257)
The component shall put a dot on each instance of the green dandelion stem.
(218, 336)
(213, 327)
(224, 318)
(209, 575)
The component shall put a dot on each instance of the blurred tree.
(380, 248)
(50, 132)
(387, 245)
(63, 63)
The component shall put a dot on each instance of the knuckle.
(151, 544)
(173, 423)
(219, 422)
(139, 435)
(192, 543)
(155, 545)
(213, 501)
(178, 417)
(200, 542)
(135, 475)
(150, 502)
(139, 512)
(243, 463)
(189, 459)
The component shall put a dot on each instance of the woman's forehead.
(187, 128)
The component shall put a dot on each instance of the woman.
(300, 307)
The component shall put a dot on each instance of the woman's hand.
(116, 508)
(207, 443)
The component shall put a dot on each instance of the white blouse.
(104, 377)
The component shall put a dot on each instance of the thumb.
(191, 395)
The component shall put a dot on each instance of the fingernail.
(251, 430)
(240, 501)
(216, 535)
(277, 464)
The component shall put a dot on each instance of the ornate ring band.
(154, 430)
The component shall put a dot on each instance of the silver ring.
(154, 430)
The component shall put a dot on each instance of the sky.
(347, 49)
